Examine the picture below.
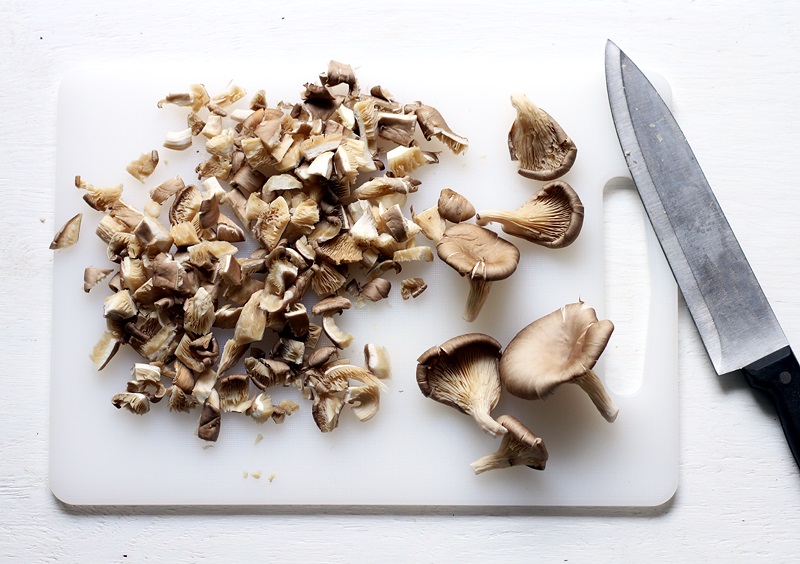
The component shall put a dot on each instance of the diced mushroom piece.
(544, 151)
(68, 235)
(433, 124)
(231, 353)
(195, 123)
(481, 256)
(133, 402)
(561, 347)
(398, 226)
(340, 73)
(331, 306)
(133, 274)
(153, 235)
(322, 356)
(552, 217)
(284, 408)
(261, 408)
(166, 189)
(209, 424)
(405, 160)
(184, 234)
(213, 126)
(412, 287)
(422, 253)
(270, 225)
(198, 354)
(204, 385)
(342, 249)
(297, 319)
(178, 140)
(267, 372)
(376, 359)
(146, 379)
(179, 400)
(463, 373)
(185, 206)
(119, 306)
(216, 166)
(519, 447)
(227, 316)
(431, 223)
(184, 377)
(397, 128)
(385, 186)
(252, 321)
(342, 339)
(99, 198)
(233, 393)
(198, 316)
(234, 93)
(326, 410)
(104, 350)
(179, 99)
(367, 119)
(93, 276)
(327, 280)
(144, 166)
(454, 207)
(374, 290)
(364, 401)
(289, 350)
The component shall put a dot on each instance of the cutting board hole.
(627, 284)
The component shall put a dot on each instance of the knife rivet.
(785, 377)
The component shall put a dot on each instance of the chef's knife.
(733, 317)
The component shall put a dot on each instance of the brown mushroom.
(68, 235)
(454, 207)
(481, 256)
(432, 124)
(518, 447)
(552, 217)
(560, 347)
(144, 166)
(544, 151)
(463, 373)
(412, 287)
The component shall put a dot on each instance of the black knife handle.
(779, 376)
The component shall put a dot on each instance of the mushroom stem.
(593, 386)
(481, 413)
(478, 292)
(491, 462)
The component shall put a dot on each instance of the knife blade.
(733, 317)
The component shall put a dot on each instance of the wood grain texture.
(733, 67)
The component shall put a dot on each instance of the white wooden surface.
(734, 70)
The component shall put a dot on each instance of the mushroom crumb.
(319, 186)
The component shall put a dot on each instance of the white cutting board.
(415, 451)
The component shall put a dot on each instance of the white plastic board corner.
(415, 451)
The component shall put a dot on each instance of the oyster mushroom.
(412, 287)
(519, 446)
(433, 125)
(454, 207)
(68, 234)
(481, 256)
(463, 373)
(560, 347)
(144, 166)
(552, 217)
(544, 151)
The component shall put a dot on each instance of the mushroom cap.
(331, 305)
(543, 149)
(526, 442)
(553, 217)
(434, 365)
(477, 252)
(557, 348)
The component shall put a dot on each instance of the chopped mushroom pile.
(320, 185)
